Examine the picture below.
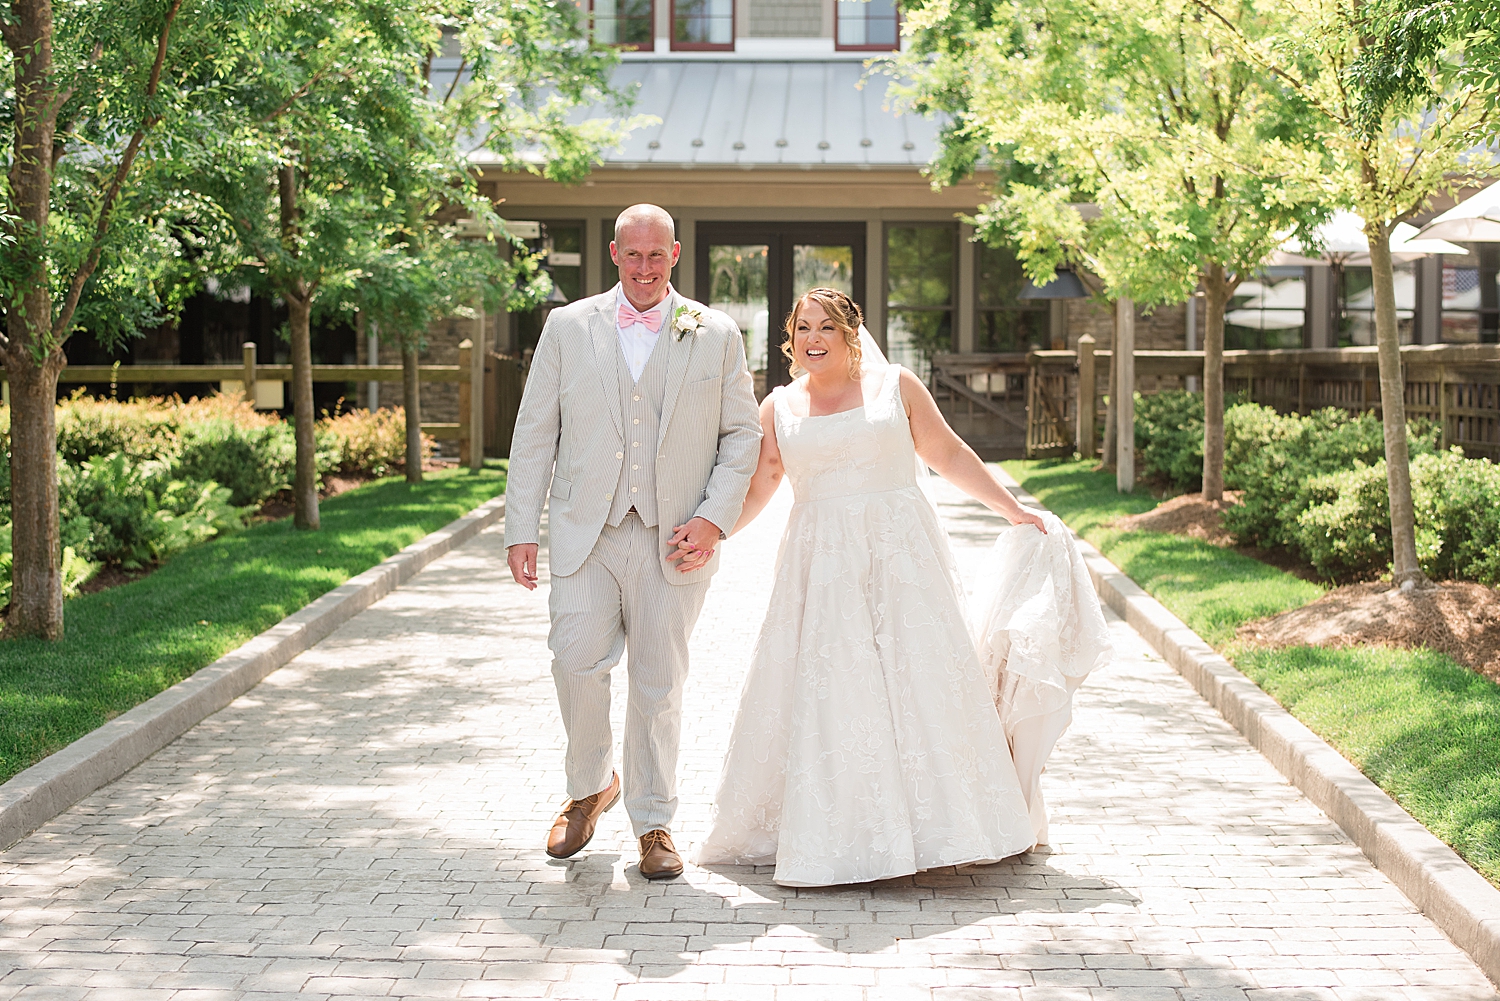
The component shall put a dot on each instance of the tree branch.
(462, 65)
(1243, 43)
(297, 94)
(64, 320)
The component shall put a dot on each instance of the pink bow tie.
(629, 315)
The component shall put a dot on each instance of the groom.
(640, 424)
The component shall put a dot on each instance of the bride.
(867, 745)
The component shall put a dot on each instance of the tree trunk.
(1112, 408)
(36, 602)
(36, 607)
(411, 399)
(1406, 572)
(305, 484)
(1217, 291)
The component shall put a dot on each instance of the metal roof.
(745, 113)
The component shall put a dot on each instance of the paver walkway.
(369, 822)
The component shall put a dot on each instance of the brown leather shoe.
(659, 858)
(574, 827)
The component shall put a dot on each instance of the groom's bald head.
(652, 217)
(645, 249)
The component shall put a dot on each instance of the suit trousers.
(620, 601)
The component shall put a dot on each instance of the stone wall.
(1161, 328)
(439, 399)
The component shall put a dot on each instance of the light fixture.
(1066, 285)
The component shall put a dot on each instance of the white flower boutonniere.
(686, 321)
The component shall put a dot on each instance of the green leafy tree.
(524, 68)
(1401, 98)
(103, 95)
(1175, 137)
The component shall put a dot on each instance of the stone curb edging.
(47, 788)
(1441, 884)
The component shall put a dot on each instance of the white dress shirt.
(638, 340)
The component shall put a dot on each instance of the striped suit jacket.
(569, 443)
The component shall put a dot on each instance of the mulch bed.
(1192, 516)
(1458, 618)
(111, 576)
(1188, 515)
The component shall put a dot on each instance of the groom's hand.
(695, 544)
(522, 559)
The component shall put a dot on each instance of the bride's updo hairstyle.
(844, 313)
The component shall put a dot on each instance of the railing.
(1457, 386)
(244, 378)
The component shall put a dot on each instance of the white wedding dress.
(868, 744)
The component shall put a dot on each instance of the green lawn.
(1213, 590)
(125, 644)
(1424, 728)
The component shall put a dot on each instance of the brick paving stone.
(369, 822)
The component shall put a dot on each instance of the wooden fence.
(469, 373)
(1457, 386)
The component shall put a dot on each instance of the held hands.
(695, 544)
(522, 560)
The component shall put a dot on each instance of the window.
(1471, 306)
(627, 23)
(1268, 311)
(1006, 323)
(866, 24)
(1357, 296)
(703, 24)
(919, 262)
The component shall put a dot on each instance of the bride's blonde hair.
(846, 317)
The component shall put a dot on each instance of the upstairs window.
(626, 23)
(867, 24)
(703, 24)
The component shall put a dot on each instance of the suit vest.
(640, 406)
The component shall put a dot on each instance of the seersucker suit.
(621, 462)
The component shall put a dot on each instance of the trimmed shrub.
(1169, 437)
(252, 461)
(1276, 459)
(1346, 532)
(89, 428)
(372, 442)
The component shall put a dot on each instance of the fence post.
(476, 394)
(1125, 386)
(247, 352)
(465, 401)
(1442, 388)
(1087, 396)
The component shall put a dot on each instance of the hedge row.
(1316, 484)
(143, 480)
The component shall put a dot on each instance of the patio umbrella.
(1476, 219)
(1344, 244)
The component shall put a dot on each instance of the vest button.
(636, 421)
(636, 399)
(609, 496)
(619, 455)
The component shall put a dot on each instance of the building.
(779, 156)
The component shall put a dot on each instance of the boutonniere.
(686, 321)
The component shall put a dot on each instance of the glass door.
(755, 271)
(737, 285)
